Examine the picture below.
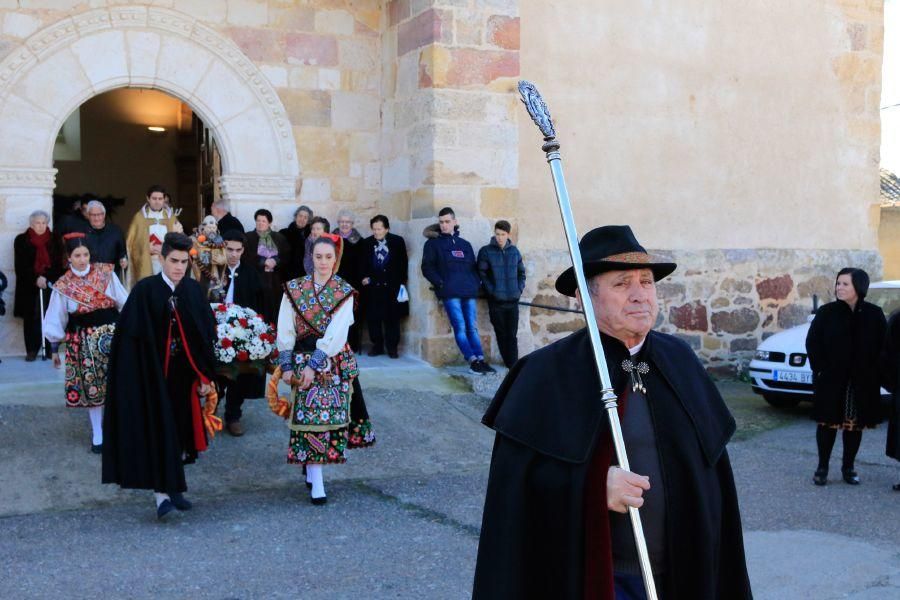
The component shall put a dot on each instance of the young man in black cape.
(555, 517)
(161, 363)
(243, 287)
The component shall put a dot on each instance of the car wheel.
(781, 400)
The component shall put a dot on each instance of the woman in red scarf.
(36, 268)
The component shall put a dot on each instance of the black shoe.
(896, 487)
(475, 367)
(163, 509)
(820, 477)
(850, 476)
(97, 448)
(376, 352)
(318, 501)
(393, 354)
(180, 502)
(31, 357)
(486, 368)
(309, 485)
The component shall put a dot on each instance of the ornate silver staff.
(541, 117)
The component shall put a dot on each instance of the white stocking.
(160, 498)
(96, 415)
(314, 476)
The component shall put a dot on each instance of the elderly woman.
(349, 269)
(313, 321)
(844, 344)
(269, 253)
(37, 266)
(83, 311)
(296, 234)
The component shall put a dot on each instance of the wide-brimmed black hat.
(612, 248)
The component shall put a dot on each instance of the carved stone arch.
(61, 66)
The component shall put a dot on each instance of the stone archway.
(61, 66)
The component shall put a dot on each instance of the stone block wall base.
(723, 303)
(442, 350)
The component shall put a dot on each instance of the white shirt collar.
(637, 348)
(82, 273)
(233, 269)
(167, 280)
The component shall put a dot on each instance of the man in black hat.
(555, 517)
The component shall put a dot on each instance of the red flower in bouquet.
(226, 343)
(221, 308)
(243, 355)
(243, 322)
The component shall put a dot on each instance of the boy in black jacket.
(503, 276)
(448, 262)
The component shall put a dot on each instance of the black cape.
(537, 537)
(844, 347)
(890, 370)
(144, 445)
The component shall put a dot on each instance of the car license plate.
(793, 376)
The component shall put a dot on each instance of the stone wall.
(450, 134)
(722, 302)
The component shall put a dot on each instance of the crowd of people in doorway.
(133, 314)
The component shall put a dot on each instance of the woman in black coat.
(37, 266)
(269, 253)
(844, 345)
(383, 265)
(296, 234)
(890, 377)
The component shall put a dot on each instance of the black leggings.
(825, 437)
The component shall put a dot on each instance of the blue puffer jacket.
(448, 262)
(502, 271)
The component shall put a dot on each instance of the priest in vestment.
(146, 233)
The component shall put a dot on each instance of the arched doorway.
(63, 65)
(121, 141)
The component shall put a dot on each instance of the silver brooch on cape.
(634, 372)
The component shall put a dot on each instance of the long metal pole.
(541, 117)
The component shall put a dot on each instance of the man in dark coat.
(161, 363)
(448, 263)
(555, 522)
(225, 221)
(244, 288)
(503, 277)
(105, 240)
(383, 268)
(890, 371)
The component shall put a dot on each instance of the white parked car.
(780, 369)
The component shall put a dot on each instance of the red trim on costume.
(598, 562)
(196, 415)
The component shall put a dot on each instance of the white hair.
(346, 213)
(95, 204)
(38, 214)
(219, 204)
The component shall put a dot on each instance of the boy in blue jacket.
(503, 275)
(448, 262)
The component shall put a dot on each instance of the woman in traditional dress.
(83, 310)
(844, 344)
(315, 315)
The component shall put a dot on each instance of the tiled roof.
(890, 188)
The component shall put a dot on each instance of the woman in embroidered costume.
(315, 315)
(83, 310)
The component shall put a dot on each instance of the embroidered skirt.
(87, 361)
(324, 422)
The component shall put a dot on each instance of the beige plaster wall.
(725, 124)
